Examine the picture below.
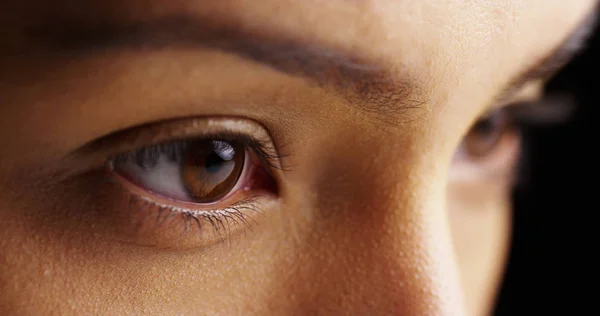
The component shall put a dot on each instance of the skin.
(378, 213)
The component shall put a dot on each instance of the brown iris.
(486, 134)
(211, 168)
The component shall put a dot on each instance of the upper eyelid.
(97, 152)
(156, 132)
(260, 148)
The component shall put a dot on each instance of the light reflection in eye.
(199, 171)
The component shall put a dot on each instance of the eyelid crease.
(251, 133)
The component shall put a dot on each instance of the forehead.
(410, 35)
(459, 52)
(359, 24)
(438, 44)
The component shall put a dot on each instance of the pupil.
(485, 127)
(222, 152)
(213, 163)
(211, 168)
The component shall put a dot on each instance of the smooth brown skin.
(375, 217)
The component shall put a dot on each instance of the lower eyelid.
(182, 228)
(147, 222)
(97, 205)
(166, 223)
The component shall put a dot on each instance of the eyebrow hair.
(363, 81)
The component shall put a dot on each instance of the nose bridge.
(419, 252)
(388, 253)
(411, 255)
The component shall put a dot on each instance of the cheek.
(480, 216)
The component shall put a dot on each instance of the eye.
(487, 134)
(210, 169)
(202, 171)
(202, 181)
(490, 146)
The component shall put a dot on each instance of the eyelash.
(220, 219)
(148, 210)
(150, 154)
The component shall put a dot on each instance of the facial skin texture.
(375, 215)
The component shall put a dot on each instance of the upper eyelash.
(104, 151)
(267, 155)
(224, 220)
(148, 156)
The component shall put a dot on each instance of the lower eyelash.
(220, 220)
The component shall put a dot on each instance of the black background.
(552, 263)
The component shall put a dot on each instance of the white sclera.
(163, 178)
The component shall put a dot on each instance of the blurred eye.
(199, 171)
(490, 146)
(487, 134)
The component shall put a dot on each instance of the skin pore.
(372, 195)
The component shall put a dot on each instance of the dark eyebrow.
(548, 66)
(363, 81)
